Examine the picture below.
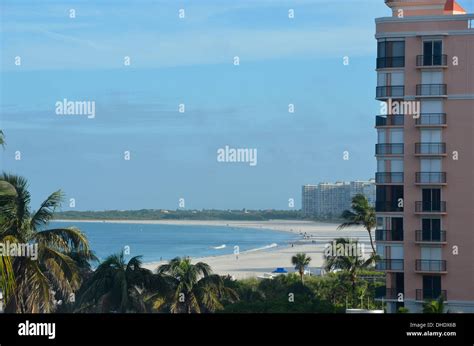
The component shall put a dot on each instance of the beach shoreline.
(293, 226)
(312, 238)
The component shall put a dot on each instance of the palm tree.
(2, 138)
(300, 261)
(192, 288)
(7, 277)
(362, 214)
(52, 273)
(434, 306)
(352, 263)
(116, 286)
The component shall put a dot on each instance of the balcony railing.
(430, 294)
(431, 90)
(430, 148)
(431, 119)
(389, 177)
(432, 266)
(389, 264)
(390, 91)
(390, 235)
(389, 149)
(387, 206)
(431, 60)
(389, 120)
(391, 61)
(431, 178)
(430, 236)
(388, 293)
(430, 206)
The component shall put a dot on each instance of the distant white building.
(309, 199)
(366, 188)
(331, 199)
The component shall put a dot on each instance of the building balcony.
(430, 294)
(388, 293)
(431, 90)
(395, 265)
(391, 62)
(387, 207)
(430, 178)
(389, 120)
(430, 149)
(389, 235)
(430, 236)
(429, 207)
(430, 266)
(384, 92)
(431, 120)
(423, 61)
(389, 149)
(389, 178)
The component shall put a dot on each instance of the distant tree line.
(204, 214)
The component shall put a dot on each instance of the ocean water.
(155, 242)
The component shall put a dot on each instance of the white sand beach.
(313, 236)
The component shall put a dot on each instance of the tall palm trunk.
(371, 241)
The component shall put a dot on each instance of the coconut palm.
(300, 261)
(192, 288)
(116, 286)
(434, 306)
(40, 279)
(351, 262)
(362, 214)
(7, 277)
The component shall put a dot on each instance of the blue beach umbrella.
(280, 271)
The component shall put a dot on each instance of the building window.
(431, 201)
(381, 136)
(396, 135)
(430, 136)
(431, 77)
(396, 165)
(431, 287)
(390, 54)
(431, 231)
(430, 165)
(389, 198)
(431, 106)
(433, 53)
(391, 84)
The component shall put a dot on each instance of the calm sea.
(156, 242)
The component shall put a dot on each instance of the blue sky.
(190, 61)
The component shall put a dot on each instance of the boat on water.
(219, 247)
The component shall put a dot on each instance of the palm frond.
(61, 268)
(65, 239)
(2, 139)
(7, 277)
(45, 213)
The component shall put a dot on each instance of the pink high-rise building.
(425, 154)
